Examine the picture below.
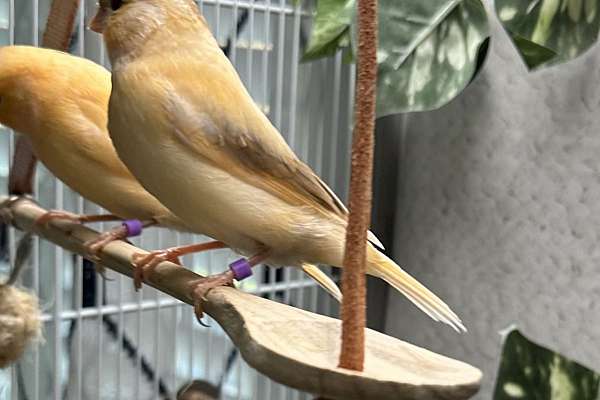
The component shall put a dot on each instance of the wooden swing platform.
(297, 348)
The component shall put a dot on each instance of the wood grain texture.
(294, 347)
(301, 349)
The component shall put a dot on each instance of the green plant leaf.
(331, 28)
(429, 51)
(530, 371)
(547, 32)
(532, 53)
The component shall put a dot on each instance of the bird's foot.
(52, 215)
(148, 261)
(94, 246)
(45, 219)
(129, 228)
(101, 270)
(238, 270)
(201, 287)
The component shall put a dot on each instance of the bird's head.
(128, 24)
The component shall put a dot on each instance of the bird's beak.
(99, 21)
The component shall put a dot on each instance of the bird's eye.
(116, 4)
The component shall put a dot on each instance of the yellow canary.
(186, 127)
(60, 103)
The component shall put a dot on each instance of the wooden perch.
(294, 347)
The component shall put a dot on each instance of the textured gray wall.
(500, 211)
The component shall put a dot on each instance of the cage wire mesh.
(102, 339)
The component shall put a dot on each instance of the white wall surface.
(499, 211)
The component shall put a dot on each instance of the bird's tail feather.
(323, 280)
(382, 267)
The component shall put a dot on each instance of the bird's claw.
(199, 315)
(149, 261)
(201, 287)
(156, 257)
(101, 270)
(49, 216)
(94, 246)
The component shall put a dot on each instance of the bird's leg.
(129, 228)
(148, 261)
(76, 218)
(238, 270)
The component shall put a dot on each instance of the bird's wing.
(85, 118)
(212, 115)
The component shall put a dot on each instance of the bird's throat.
(130, 28)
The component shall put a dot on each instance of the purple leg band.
(241, 269)
(134, 227)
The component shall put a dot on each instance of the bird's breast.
(209, 198)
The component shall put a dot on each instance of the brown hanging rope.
(59, 28)
(353, 279)
(60, 24)
(22, 170)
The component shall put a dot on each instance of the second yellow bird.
(184, 124)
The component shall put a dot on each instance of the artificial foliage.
(429, 51)
(548, 32)
(530, 371)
